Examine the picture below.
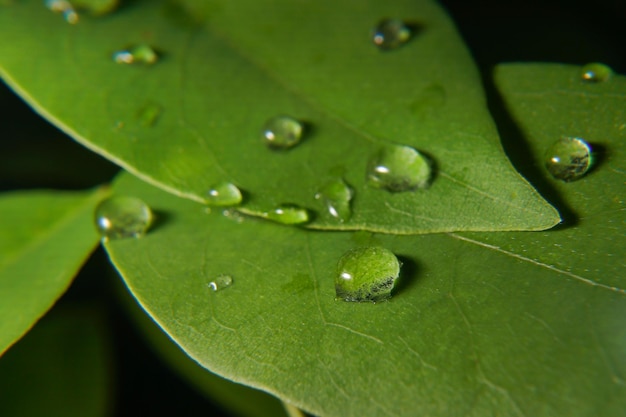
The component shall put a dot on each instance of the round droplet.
(596, 72)
(568, 159)
(366, 274)
(336, 196)
(65, 8)
(391, 34)
(282, 132)
(220, 282)
(224, 194)
(139, 54)
(398, 168)
(121, 217)
(288, 214)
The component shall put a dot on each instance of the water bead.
(220, 282)
(568, 159)
(336, 196)
(596, 72)
(65, 8)
(288, 214)
(123, 217)
(391, 34)
(282, 132)
(138, 54)
(224, 194)
(399, 168)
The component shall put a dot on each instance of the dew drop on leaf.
(366, 274)
(399, 168)
(568, 159)
(224, 194)
(122, 217)
(596, 72)
(282, 132)
(138, 54)
(96, 7)
(288, 214)
(391, 34)
(336, 196)
(220, 282)
(65, 8)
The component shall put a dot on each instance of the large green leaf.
(46, 236)
(61, 369)
(194, 118)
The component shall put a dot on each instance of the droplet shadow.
(409, 273)
(160, 219)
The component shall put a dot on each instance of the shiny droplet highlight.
(123, 217)
(288, 214)
(596, 72)
(65, 8)
(391, 34)
(138, 54)
(224, 194)
(568, 159)
(282, 132)
(220, 282)
(336, 196)
(399, 168)
(366, 274)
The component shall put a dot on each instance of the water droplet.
(568, 159)
(288, 214)
(596, 72)
(336, 196)
(65, 8)
(139, 54)
(391, 34)
(282, 132)
(220, 282)
(149, 114)
(96, 7)
(366, 274)
(398, 168)
(234, 215)
(224, 194)
(122, 217)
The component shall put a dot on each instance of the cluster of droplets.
(65, 8)
(137, 54)
(391, 34)
(68, 8)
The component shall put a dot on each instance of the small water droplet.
(596, 72)
(568, 159)
(366, 274)
(122, 217)
(138, 54)
(399, 168)
(336, 196)
(224, 194)
(65, 8)
(149, 114)
(234, 215)
(220, 282)
(391, 34)
(282, 132)
(288, 214)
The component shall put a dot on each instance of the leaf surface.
(46, 237)
(194, 119)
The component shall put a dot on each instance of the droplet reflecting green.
(224, 194)
(288, 214)
(366, 274)
(282, 132)
(336, 196)
(391, 34)
(65, 8)
(596, 72)
(398, 168)
(95, 7)
(139, 54)
(121, 217)
(568, 159)
(220, 282)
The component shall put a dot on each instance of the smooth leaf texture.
(194, 118)
(46, 237)
(60, 369)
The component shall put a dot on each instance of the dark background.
(33, 154)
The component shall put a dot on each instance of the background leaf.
(46, 237)
(193, 119)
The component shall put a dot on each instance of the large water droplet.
(282, 132)
(220, 282)
(336, 196)
(568, 159)
(398, 168)
(596, 72)
(65, 8)
(224, 194)
(122, 217)
(288, 214)
(366, 274)
(391, 34)
(138, 54)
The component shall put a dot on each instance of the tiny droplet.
(220, 282)
(568, 159)
(139, 54)
(366, 274)
(122, 217)
(391, 34)
(596, 72)
(399, 168)
(336, 196)
(282, 132)
(65, 8)
(288, 214)
(224, 194)
(149, 114)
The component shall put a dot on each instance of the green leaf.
(193, 119)
(46, 237)
(61, 368)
